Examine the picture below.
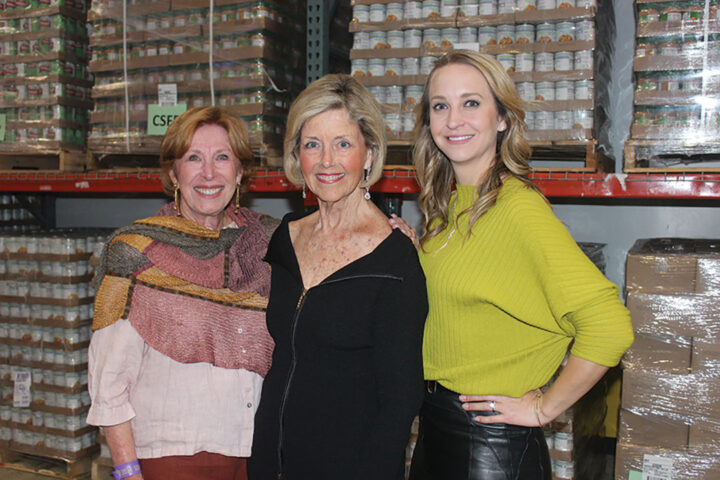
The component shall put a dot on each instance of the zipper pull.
(302, 296)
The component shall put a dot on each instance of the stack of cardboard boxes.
(670, 418)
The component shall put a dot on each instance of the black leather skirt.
(451, 446)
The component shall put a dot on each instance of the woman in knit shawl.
(180, 346)
(508, 288)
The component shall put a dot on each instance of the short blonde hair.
(178, 138)
(336, 91)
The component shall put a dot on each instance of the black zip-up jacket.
(346, 379)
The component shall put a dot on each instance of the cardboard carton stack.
(44, 79)
(548, 47)
(45, 314)
(670, 419)
(242, 55)
(676, 115)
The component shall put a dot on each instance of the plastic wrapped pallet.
(241, 55)
(549, 48)
(45, 313)
(670, 421)
(676, 115)
(44, 79)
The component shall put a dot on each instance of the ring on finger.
(492, 405)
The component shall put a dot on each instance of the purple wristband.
(126, 470)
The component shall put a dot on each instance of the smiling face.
(333, 155)
(207, 175)
(464, 120)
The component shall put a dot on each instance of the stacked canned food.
(176, 49)
(45, 314)
(43, 75)
(531, 49)
(675, 61)
(14, 217)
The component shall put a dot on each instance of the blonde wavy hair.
(331, 92)
(434, 170)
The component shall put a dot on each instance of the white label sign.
(21, 392)
(656, 467)
(167, 94)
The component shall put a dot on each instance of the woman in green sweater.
(509, 290)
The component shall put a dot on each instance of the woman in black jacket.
(347, 305)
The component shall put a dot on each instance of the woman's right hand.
(404, 226)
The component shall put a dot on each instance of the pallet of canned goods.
(45, 314)
(676, 114)
(44, 85)
(548, 48)
(240, 55)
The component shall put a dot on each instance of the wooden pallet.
(101, 469)
(568, 156)
(52, 467)
(658, 156)
(63, 160)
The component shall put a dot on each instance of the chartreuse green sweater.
(507, 301)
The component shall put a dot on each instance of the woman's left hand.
(510, 410)
(404, 226)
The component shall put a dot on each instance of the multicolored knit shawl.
(192, 293)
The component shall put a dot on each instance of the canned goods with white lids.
(361, 40)
(468, 34)
(393, 122)
(546, 4)
(412, 10)
(526, 90)
(431, 8)
(583, 60)
(361, 13)
(545, 91)
(524, 62)
(449, 37)
(563, 469)
(507, 60)
(565, 31)
(564, 3)
(469, 8)
(408, 121)
(394, 95)
(505, 34)
(669, 83)
(377, 12)
(410, 66)
(564, 61)
(449, 8)
(431, 37)
(359, 67)
(669, 48)
(586, 3)
(426, 65)
(544, 120)
(565, 90)
(584, 89)
(585, 30)
(413, 95)
(378, 93)
(525, 33)
(524, 5)
(544, 62)
(394, 12)
(487, 35)
(412, 38)
(545, 33)
(395, 38)
(506, 6)
(378, 39)
(582, 119)
(393, 66)
(487, 7)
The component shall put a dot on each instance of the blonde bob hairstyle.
(434, 170)
(178, 138)
(336, 91)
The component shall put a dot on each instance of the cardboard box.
(673, 266)
(706, 355)
(669, 353)
(685, 315)
(690, 464)
(653, 430)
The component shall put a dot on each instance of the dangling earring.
(304, 194)
(367, 187)
(176, 206)
(237, 198)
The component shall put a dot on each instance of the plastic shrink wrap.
(670, 416)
